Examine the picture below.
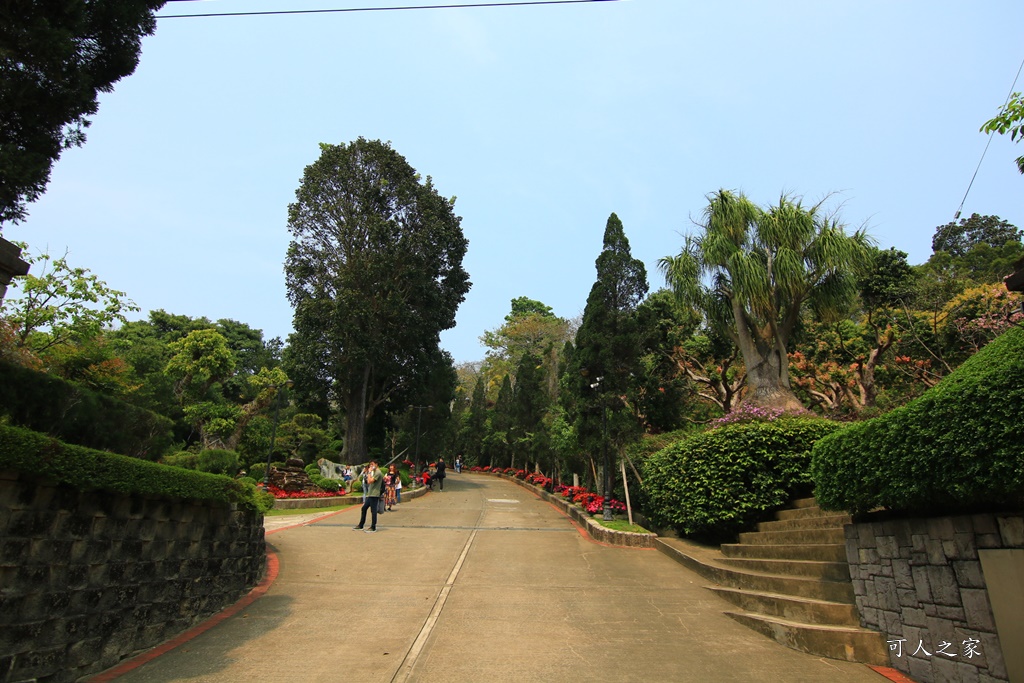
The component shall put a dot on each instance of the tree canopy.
(751, 272)
(54, 60)
(374, 274)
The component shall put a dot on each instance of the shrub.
(183, 459)
(320, 481)
(257, 470)
(74, 414)
(218, 461)
(719, 482)
(39, 455)
(956, 448)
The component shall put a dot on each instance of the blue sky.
(542, 121)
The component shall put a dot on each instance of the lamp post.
(606, 467)
(273, 429)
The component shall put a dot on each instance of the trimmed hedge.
(42, 456)
(717, 483)
(959, 447)
(78, 415)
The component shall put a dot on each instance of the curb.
(597, 531)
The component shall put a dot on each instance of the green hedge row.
(720, 482)
(78, 415)
(958, 447)
(39, 455)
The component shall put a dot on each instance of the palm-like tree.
(751, 273)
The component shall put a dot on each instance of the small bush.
(183, 459)
(956, 448)
(319, 480)
(218, 461)
(258, 470)
(723, 481)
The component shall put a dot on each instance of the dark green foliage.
(889, 280)
(957, 447)
(184, 460)
(55, 57)
(218, 461)
(960, 238)
(38, 455)
(660, 392)
(717, 483)
(258, 470)
(78, 415)
(374, 273)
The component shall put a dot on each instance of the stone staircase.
(791, 582)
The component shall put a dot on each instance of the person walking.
(373, 482)
(390, 492)
(440, 472)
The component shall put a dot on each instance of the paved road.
(484, 582)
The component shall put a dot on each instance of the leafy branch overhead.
(1010, 120)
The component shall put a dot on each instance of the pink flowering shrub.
(751, 413)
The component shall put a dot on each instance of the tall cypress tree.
(476, 424)
(606, 353)
(529, 403)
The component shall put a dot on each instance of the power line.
(378, 9)
(984, 151)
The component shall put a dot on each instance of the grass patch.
(305, 511)
(622, 525)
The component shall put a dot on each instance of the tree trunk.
(354, 450)
(768, 381)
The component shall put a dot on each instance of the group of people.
(383, 490)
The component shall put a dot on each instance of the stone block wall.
(89, 578)
(920, 582)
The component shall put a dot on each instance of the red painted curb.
(135, 662)
(894, 675)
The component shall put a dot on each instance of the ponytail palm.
(752, 271)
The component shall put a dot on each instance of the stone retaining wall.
(920, 582)
(87, 579)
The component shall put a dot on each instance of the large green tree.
(55, 57)
(374, 273)
(751, 272)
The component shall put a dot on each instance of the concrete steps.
(791, 582)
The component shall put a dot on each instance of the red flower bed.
(280, 493)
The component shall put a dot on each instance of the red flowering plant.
(538, 479)
(596, 505)
(281, 493)
(570, 492)
(519, 474)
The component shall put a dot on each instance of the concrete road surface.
(483, 582)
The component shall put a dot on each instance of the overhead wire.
(989, 142)
(521, 3)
